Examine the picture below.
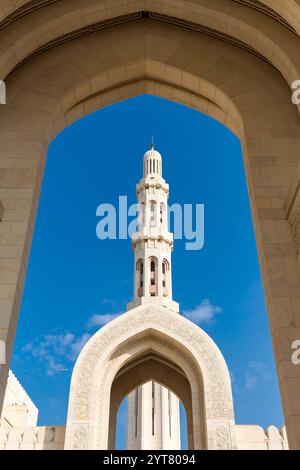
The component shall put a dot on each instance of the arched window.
(140, 277)
(141, 273)
(162, 213)
(141, 215)
(152, 213)
(165, 269)
(153, 266)
(153, 276)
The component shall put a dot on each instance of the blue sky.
(76, 282)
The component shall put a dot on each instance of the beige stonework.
(18, 423)
(18, 411)
(176, 353)
(223, 58)
(255, 438)
(32, 438)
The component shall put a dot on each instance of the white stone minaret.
(153, 243)
(153, 411)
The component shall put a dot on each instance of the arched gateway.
(177, 354)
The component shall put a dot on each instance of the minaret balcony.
(157, 183)
(154, 301)
(140, 291)
(153, 233)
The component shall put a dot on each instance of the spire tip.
(152, 143)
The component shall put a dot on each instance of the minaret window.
(141, 273)
(152, 273)
(162, 213)
(140, 277)
(165, 269)
(152, 213)
(141, 215)
(153, 277)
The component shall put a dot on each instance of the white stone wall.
(253, 437)
(18, 408)
(249, 437)
(32, 438)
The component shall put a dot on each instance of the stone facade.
(255, 438)
(18, 409)
(233, 60)
(18, 424)
(32, 438)
(193, 368)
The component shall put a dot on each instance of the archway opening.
(154, 387)
(124, 421)
(218, 274)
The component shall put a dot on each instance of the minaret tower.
(153, 411)
(153, 243)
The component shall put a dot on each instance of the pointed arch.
(127, 339)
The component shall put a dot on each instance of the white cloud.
(78, 344)
(28, 347)
(250, 381)
(55, 351)
(256, 365)
(256, 371)
(101, 320)
(203, 313)
(53, 366)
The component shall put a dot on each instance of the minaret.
(153, 243)
(153, 411)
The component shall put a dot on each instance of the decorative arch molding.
(148, 76)
(285, 13)
(164, 373)
(129, 337)
(220, 20)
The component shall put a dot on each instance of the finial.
(152, 143)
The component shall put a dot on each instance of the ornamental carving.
(215, 400)
(79, 437)
(223, 438)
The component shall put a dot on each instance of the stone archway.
(125, 340)
(136, 373)
(234, 66)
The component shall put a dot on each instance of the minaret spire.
(153, 243)
(152, 143)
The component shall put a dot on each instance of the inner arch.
(150, 366)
